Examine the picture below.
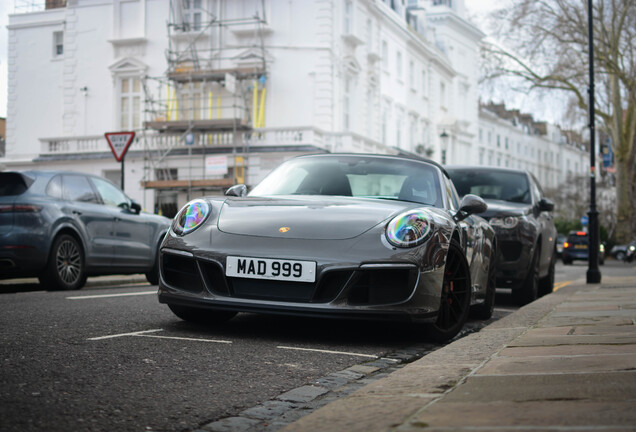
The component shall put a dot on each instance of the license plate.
(580, 246)
(271, 269)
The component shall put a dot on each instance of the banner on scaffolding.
(216, 165)
(119, 143)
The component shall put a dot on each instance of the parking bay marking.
(111, 295)
(328, 351)
(145, 333)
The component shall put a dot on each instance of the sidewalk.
(566, 362)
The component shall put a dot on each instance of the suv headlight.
(191, 216)
(409, 229)
(507, 222)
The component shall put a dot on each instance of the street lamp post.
(444, 145)
(593, 272)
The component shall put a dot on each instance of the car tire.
(567, 261)
(201, 316)
(66, 268)
(546, 284)
(485, 310)
(620, 256)
(455, 297)
(529, 289)
(153, 275)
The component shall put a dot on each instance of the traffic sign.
(119, 143)
(584, 220)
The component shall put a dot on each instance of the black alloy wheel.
(201, 316)
(455, 298)
(546, 285)
(485, 310)
(529, 290)
(65, 269)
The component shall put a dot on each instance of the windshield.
(357, 176)
(497, 185)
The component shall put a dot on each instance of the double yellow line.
(561, 285)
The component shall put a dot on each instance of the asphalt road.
(113, 358)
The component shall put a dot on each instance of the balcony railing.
(265, 137)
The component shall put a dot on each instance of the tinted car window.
(77, 188)
(110, 194)
(54, 188)
(499, 185)
(13, 184)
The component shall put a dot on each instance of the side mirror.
(546, 205)
(135, 207)
(470, 204)
(239, 190)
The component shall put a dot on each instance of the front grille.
(271, 290)
(181, 273)
(382, 286)
(510, 250)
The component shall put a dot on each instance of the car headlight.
(409, 229)
(507, 222)
(632, 248)
(191, 216)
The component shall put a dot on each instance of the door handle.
(77, 212)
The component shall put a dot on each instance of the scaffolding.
(211, 96)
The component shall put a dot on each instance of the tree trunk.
(624, 201)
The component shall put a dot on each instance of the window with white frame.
(398, 65)
(385, 55)
(412, 74)
(442, 95)
(424, 83)
(346, 102)
(130, 94)
(347, 18)
(58, 44)
(191, 13)
(191, 101)
(370, 35)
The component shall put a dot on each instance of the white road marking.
(111, 295)
(125, 334)
(145, 333)
(329, 352)
(184, 338)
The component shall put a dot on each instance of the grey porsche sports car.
(335, 235)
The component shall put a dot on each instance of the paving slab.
(559, 364)
(615, 339)
(530, 416)
(567, 350)
(611, 386)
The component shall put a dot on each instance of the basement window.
(58, 44)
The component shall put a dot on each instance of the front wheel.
(546, 285)
(485, 310)
(455, 297)
(529, 289)
(66, 268)
(201, 316)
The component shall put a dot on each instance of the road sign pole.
(122, 173)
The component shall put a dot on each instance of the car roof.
(403, 156)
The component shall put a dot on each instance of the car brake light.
(20, 208)
(581, 233)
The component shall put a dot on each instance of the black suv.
(522, 219)
(576, 248)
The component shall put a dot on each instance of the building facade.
(221, 91)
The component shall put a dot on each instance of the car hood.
(498, 208)
(319, 218)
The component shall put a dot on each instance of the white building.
(351, 75)
(511, 139)
(221, 91)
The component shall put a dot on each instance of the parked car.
(576, 247)
(64, 226)
(522, 219)
(559, 244)
(335, 235)
(620, 251)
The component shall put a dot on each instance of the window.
(385, 55)
(191, 10)
(111, 196)
(77, 188)
(424, 82)
(481, 133)
(506, 143)
(58, 44)
(347, 26)
(346, 106)
(191, 101)
(442, 95)
(398, 66)
(498, 141)
(130, 103)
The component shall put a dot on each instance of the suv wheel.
(529, 289)
(66, 269)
